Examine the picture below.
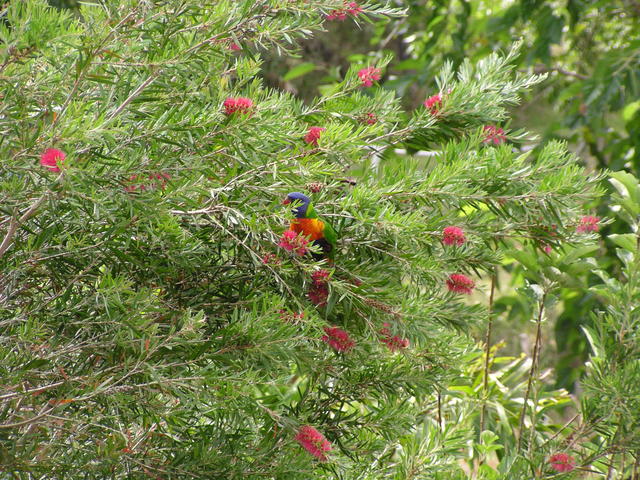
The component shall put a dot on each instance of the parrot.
(306, 221)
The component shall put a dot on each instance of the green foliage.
(146, 311)
(611, 402)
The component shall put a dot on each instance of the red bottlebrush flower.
(460, 283)
(369, 75)
(320, 277)
(290, 317)
(433, 104)
(354, 9)
(240, 104)
(315, 187)
(163, 177)
(319, 291)
(494, 135)
(547, 249)
(318, 294)
(392, 342)
(270, 259)
(588, 224)
(139, 182)
(351, 8)
(337, 15)
(562, 462)
(453, 235)
(235, 47)
(313, 442)
(52, 158)
(370, 118)
(313, 135)
(292, 242)
(338, 339)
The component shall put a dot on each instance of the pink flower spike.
(393, 343)
(453, 235)
(240, 104)
(433, 104)
(494, 135)
(460, 283)
(354, 9)
(270, 259)
(338, 339)
(292, 242)
(313, 442)
(318, 294)
(52, 158)
(369, 75)
(370, 118)
(337, 15)
(320, 277)
(315, 187)
(588, 224)
(562, 462)
(351, 8)
(313, 135)
(235, 47)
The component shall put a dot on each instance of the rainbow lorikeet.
(308, 223)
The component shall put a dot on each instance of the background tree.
(152, 326)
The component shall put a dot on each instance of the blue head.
(301, 200)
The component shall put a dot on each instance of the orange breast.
(309, 227)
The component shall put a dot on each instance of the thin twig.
(487, 352)
(131, 97)
(42, 413)
(536, 350)
(439, 410)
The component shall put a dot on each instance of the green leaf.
(628, 241)
(299, 71)
(626, 185)
(630, 110)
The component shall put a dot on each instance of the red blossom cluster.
(319, 290)
(494, 135)
(351, 8)
(290, 317)
(239, 104)
(320, 276)
(150, 182)
(292, 242)
(460, 283)
(369, 118)
(270, 259)
(52, 158)
(338, 339)
(235, 47)
(588, 224)
(393, 342)
(369, 75)
(313, 135)
(313, 442)
(562, 462)
(315, 187)
(453, 236)
(433, 103)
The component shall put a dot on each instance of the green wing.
(329, 233)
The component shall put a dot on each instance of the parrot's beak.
(286, 201)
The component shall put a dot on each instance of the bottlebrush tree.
(157, 320)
